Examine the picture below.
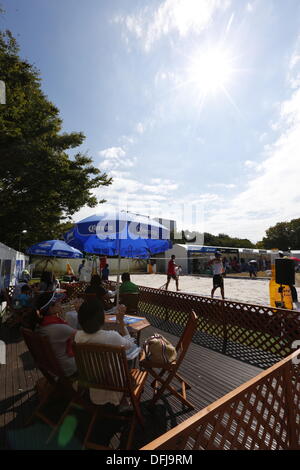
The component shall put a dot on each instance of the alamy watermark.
(2, 352)
(2, 92)
(123, 224)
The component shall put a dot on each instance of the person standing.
(172, 274)
(218, 270)
(80, 267)
(252, 269)
(105, 273)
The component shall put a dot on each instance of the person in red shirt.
(172, 274)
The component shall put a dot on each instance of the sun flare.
(211, 71)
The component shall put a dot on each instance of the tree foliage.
(40, 185)
(225, 240)
(284, 236)
(217, 240)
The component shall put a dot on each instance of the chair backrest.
(102, 366)
(186, 337)
(130, 300)
(43, 355)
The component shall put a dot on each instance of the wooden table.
(133, 328)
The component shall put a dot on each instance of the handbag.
(159, 349)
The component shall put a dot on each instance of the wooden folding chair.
(46, 361)
(105, 367)
(168, 372)
(130, 300)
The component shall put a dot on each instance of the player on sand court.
(218, 270)
(172, 274)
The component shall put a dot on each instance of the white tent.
(12, 263)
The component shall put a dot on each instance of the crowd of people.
(45, 317)
(233, 265)
(85, 323)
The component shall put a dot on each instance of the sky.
(192, 106)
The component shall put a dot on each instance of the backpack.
(159, 349)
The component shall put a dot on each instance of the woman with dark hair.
(101, 293)
(47, 282)
(91, 318)
(47, 321)
(94, 291)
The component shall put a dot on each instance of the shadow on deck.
(210, 374)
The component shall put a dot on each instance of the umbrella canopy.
(55, 248)
(119, 234)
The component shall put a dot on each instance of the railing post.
(225, 331)
(293, 443)
(167, 309)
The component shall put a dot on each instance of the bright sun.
(210, 71)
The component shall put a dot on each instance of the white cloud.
(180, 16)
(250, 164)
(128, 139)
(112, 153)
(263, 137)
(140, 128)
(114, 158)
(222, 185)
(274, 195)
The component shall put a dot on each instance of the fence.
(263, 413)
(256, 334)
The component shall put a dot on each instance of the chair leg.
(181, 397)
(75, 401)
(137, 409)
(180, 379)
(37, 413)
(91, 425)
(166, 386)
(131, 433)
(59, 423)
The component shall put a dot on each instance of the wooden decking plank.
(210, 374)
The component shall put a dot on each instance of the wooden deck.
(211, 375)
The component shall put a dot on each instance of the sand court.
(253, 291)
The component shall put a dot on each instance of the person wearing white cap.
(218, 270)
(47, 321)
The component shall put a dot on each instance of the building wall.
(59, 265)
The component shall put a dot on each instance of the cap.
(55, 298)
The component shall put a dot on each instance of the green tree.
(225, 240)
(260, 245)
(283, 235)
(40, 185)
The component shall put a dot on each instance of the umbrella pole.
(119, 269)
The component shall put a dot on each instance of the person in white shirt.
(91, 318)
(218, 270)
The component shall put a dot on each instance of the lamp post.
(23, 231)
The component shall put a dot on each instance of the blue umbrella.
(121, 234)
(55, 248)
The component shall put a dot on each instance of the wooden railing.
(257, 334)
(263, 413)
